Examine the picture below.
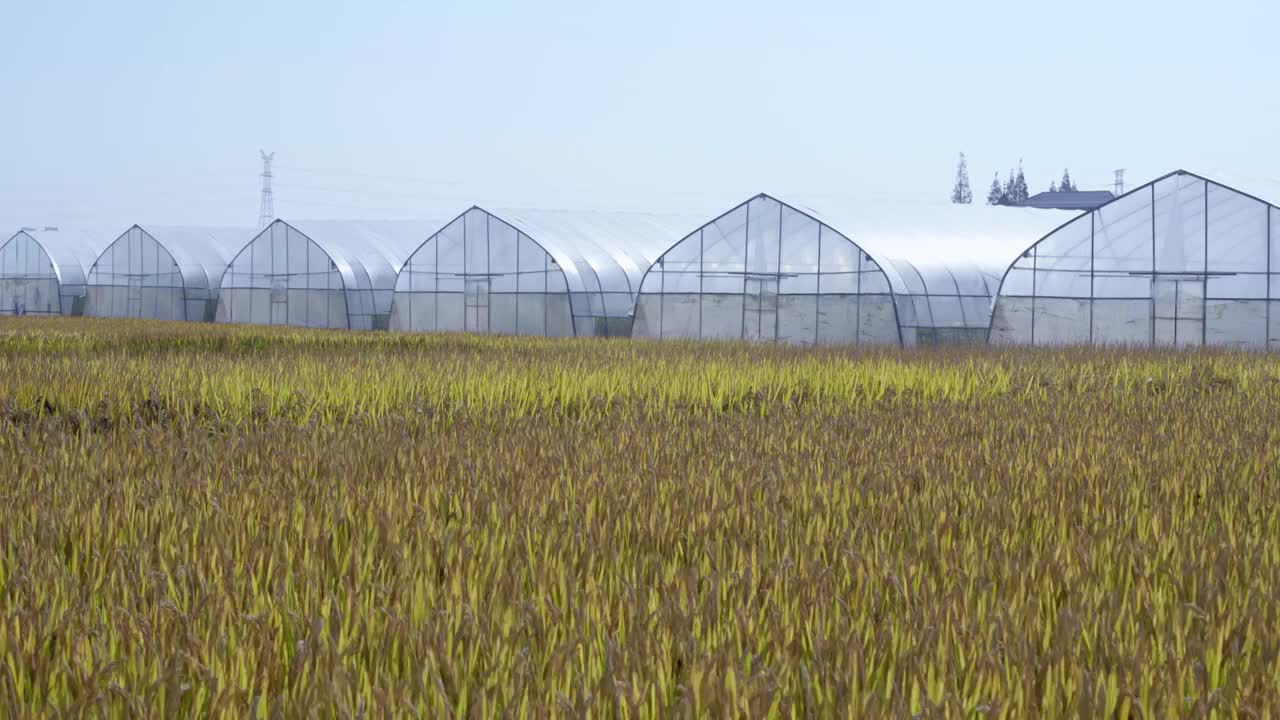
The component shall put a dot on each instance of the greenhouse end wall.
(765, 271)
(29, 283)
(42, 272)
(163, 272)
(283, 277)
(480, 274)
(137, 277)
(524, 271)
(1181, 261)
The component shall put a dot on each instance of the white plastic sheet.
(42, 272)
(1181, 261)
(532, 272)
(330, 274)
(162, 273)
(856, 271)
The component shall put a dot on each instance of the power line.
(367, 192)
(371, 176)
(396, 211)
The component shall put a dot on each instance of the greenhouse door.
(19, 304)
(1177, 310)
(279, 302)
(760, 311)
(477, 305)
(135, 298)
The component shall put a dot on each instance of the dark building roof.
(1083, 200)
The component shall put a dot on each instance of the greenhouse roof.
(71, 250)
(200, 245)
(617, 246)
(935, 233)
(201, 253)
(379, 246)
(1263, 188)
(930, 236)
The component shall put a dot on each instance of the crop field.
(232, 521)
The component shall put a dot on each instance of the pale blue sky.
(134, 111)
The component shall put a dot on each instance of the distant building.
(1083, 201)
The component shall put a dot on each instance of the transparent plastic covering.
(1180, 261)
(532, 272)
(162, 273)
(42, 272)
(859, 272)
(327, 274)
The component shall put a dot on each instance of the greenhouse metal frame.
(551, 273)
(882, 273)
(326, 274)
(162, 273)
(1183, 260)
(42, 272)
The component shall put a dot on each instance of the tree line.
(1013, 191)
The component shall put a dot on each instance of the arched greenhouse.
(1183, 260)
(42, 272)
(859, 272)
(532, 272)
(162, 273)
(327, 274)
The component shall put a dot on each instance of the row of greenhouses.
(1182, 260)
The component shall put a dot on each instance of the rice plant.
(230, 521)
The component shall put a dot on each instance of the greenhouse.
(1182, 260)
(325, 274)
(162, 273)
(42, 272)
(860, 272)
(532, 272)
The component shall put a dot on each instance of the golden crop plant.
(219, 521)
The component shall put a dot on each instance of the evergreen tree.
(1020, 191)
(961, 194)
(995, 196)
(1067, 185)
(1010, 189)
(1053, 187)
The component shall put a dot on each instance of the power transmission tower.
(1119, 182)
(267, 208)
